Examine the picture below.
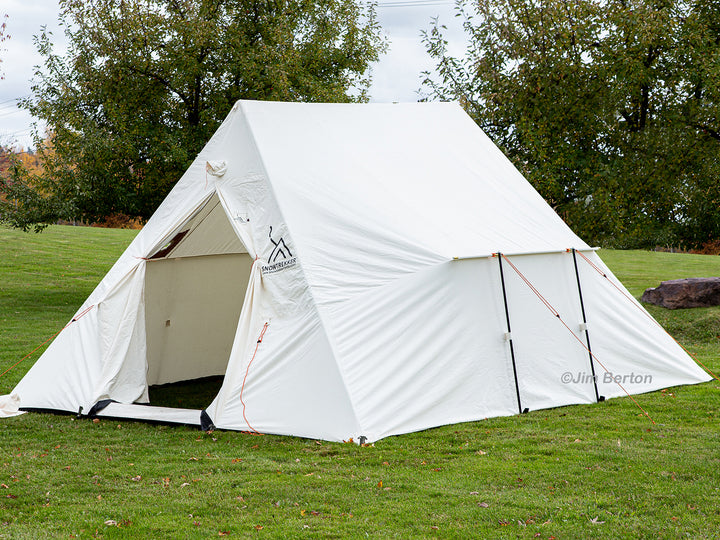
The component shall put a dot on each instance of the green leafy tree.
(145, 83)
(609, 107)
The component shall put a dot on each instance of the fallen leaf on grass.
(11, 496)
(111, 523)
(595, 521)
(474, 493)
(484, 505)
(259, 527)
(481, 453)
(236, 460)
(435, 528)
(136, 478)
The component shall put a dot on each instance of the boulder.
(685, 293)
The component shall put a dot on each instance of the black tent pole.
(509, 333)
(587, 334)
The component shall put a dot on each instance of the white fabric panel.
(380, 190)
(121, 325)
(545, 350)
(292, 386)
(189, 417)
(210, 233)
(64, 378)
(192, 309)
(628, 341)
(426, 350)
(9, 406)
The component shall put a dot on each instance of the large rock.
(685, 293)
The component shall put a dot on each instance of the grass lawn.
(590, 471)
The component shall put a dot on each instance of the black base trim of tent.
(99, 406)
(206, 423)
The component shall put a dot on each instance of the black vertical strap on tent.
(507, 319)
(587, 334)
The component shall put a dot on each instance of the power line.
(14, 99)
(10, 112)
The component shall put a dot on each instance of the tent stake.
(587, 334)
(509, 333)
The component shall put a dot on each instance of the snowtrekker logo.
(280, 257)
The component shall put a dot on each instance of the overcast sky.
(395, 78)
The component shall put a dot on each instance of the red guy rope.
(257, 345)
(603, 274)
(559, 318)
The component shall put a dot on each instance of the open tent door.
(195, 286)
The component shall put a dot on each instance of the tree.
(609, 107)
(145, 83)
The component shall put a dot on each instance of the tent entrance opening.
(192, 307)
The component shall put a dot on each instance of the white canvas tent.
(336, 262)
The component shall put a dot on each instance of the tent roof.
(386, 189)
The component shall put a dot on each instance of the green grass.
(544, 474)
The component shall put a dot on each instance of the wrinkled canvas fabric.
(9, 405)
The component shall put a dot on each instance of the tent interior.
(195, 285)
